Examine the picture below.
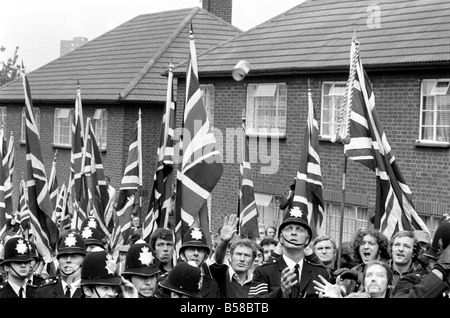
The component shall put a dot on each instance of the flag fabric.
(24, 212)
(201, 164)
(394, 209)
(95, 179)
(3, 177)
(8, 165)
(130, 185)
(45, 231)
(60, 207)
(53, 183)
(308, 193)
(247, 209)
(77, 185)
(160, 204)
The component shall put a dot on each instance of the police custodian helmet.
(139, 261)
(16, 249)
(184, 278)
(99, 269)
(295, 216)
(71, 243)
(194, 237)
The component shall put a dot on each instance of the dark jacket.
(418, 286)
(267, 279)
(54, 289)
(6, 291)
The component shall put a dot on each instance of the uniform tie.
(296, 289)
(67, 294)
(21, 292)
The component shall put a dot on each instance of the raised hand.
(229, 227)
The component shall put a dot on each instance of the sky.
(38, 26)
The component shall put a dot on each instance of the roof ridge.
(158, 54)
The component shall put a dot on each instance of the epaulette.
(268, 262)
(50, 281)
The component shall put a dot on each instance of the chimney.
(220, 8)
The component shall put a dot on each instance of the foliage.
(10, 70)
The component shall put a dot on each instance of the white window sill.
(262, 135)
(430, 143)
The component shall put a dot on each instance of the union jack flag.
(131, 183)
(247, 211)
(160, 204)
(201, 164)
(308, 196)
(95, 179)
(394, 209)
(45, 231)
(77, 183)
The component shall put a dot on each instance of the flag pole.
(140, 165)
(346, 106)
(341, 225)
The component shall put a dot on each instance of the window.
(355, 217)
(62, 133)
(2, 116)
(332, 98)
(101, 125)
(208, 101)
(266, 109)
(37, 118)
(269, 212)
(432, 222)
(435, 111)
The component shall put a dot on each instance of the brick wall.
(220, 8)
(397, 98)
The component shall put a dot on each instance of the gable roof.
(126, 63)
(316, 35)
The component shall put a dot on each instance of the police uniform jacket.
(54, 289)
(36, 280)
(6, 291)
(266, 282)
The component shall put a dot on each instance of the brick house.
(119, 73)
(405, 49)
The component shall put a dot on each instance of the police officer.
(92, 238)
(16, 263)
(195, 249)
(291, 275)
(99, 278)
(70, 255)
(183, 281)
(93, 222)
(140, 270)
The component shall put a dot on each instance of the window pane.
(266, 108)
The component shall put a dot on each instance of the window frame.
(3, 116)
(57, 132)
(254, 110)
(101, 128)
(355, 217)
(37, 118)
(208, 98)
(333, 121)
(434, 94)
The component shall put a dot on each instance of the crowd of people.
(284, 262)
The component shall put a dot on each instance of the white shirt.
(291, 264)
